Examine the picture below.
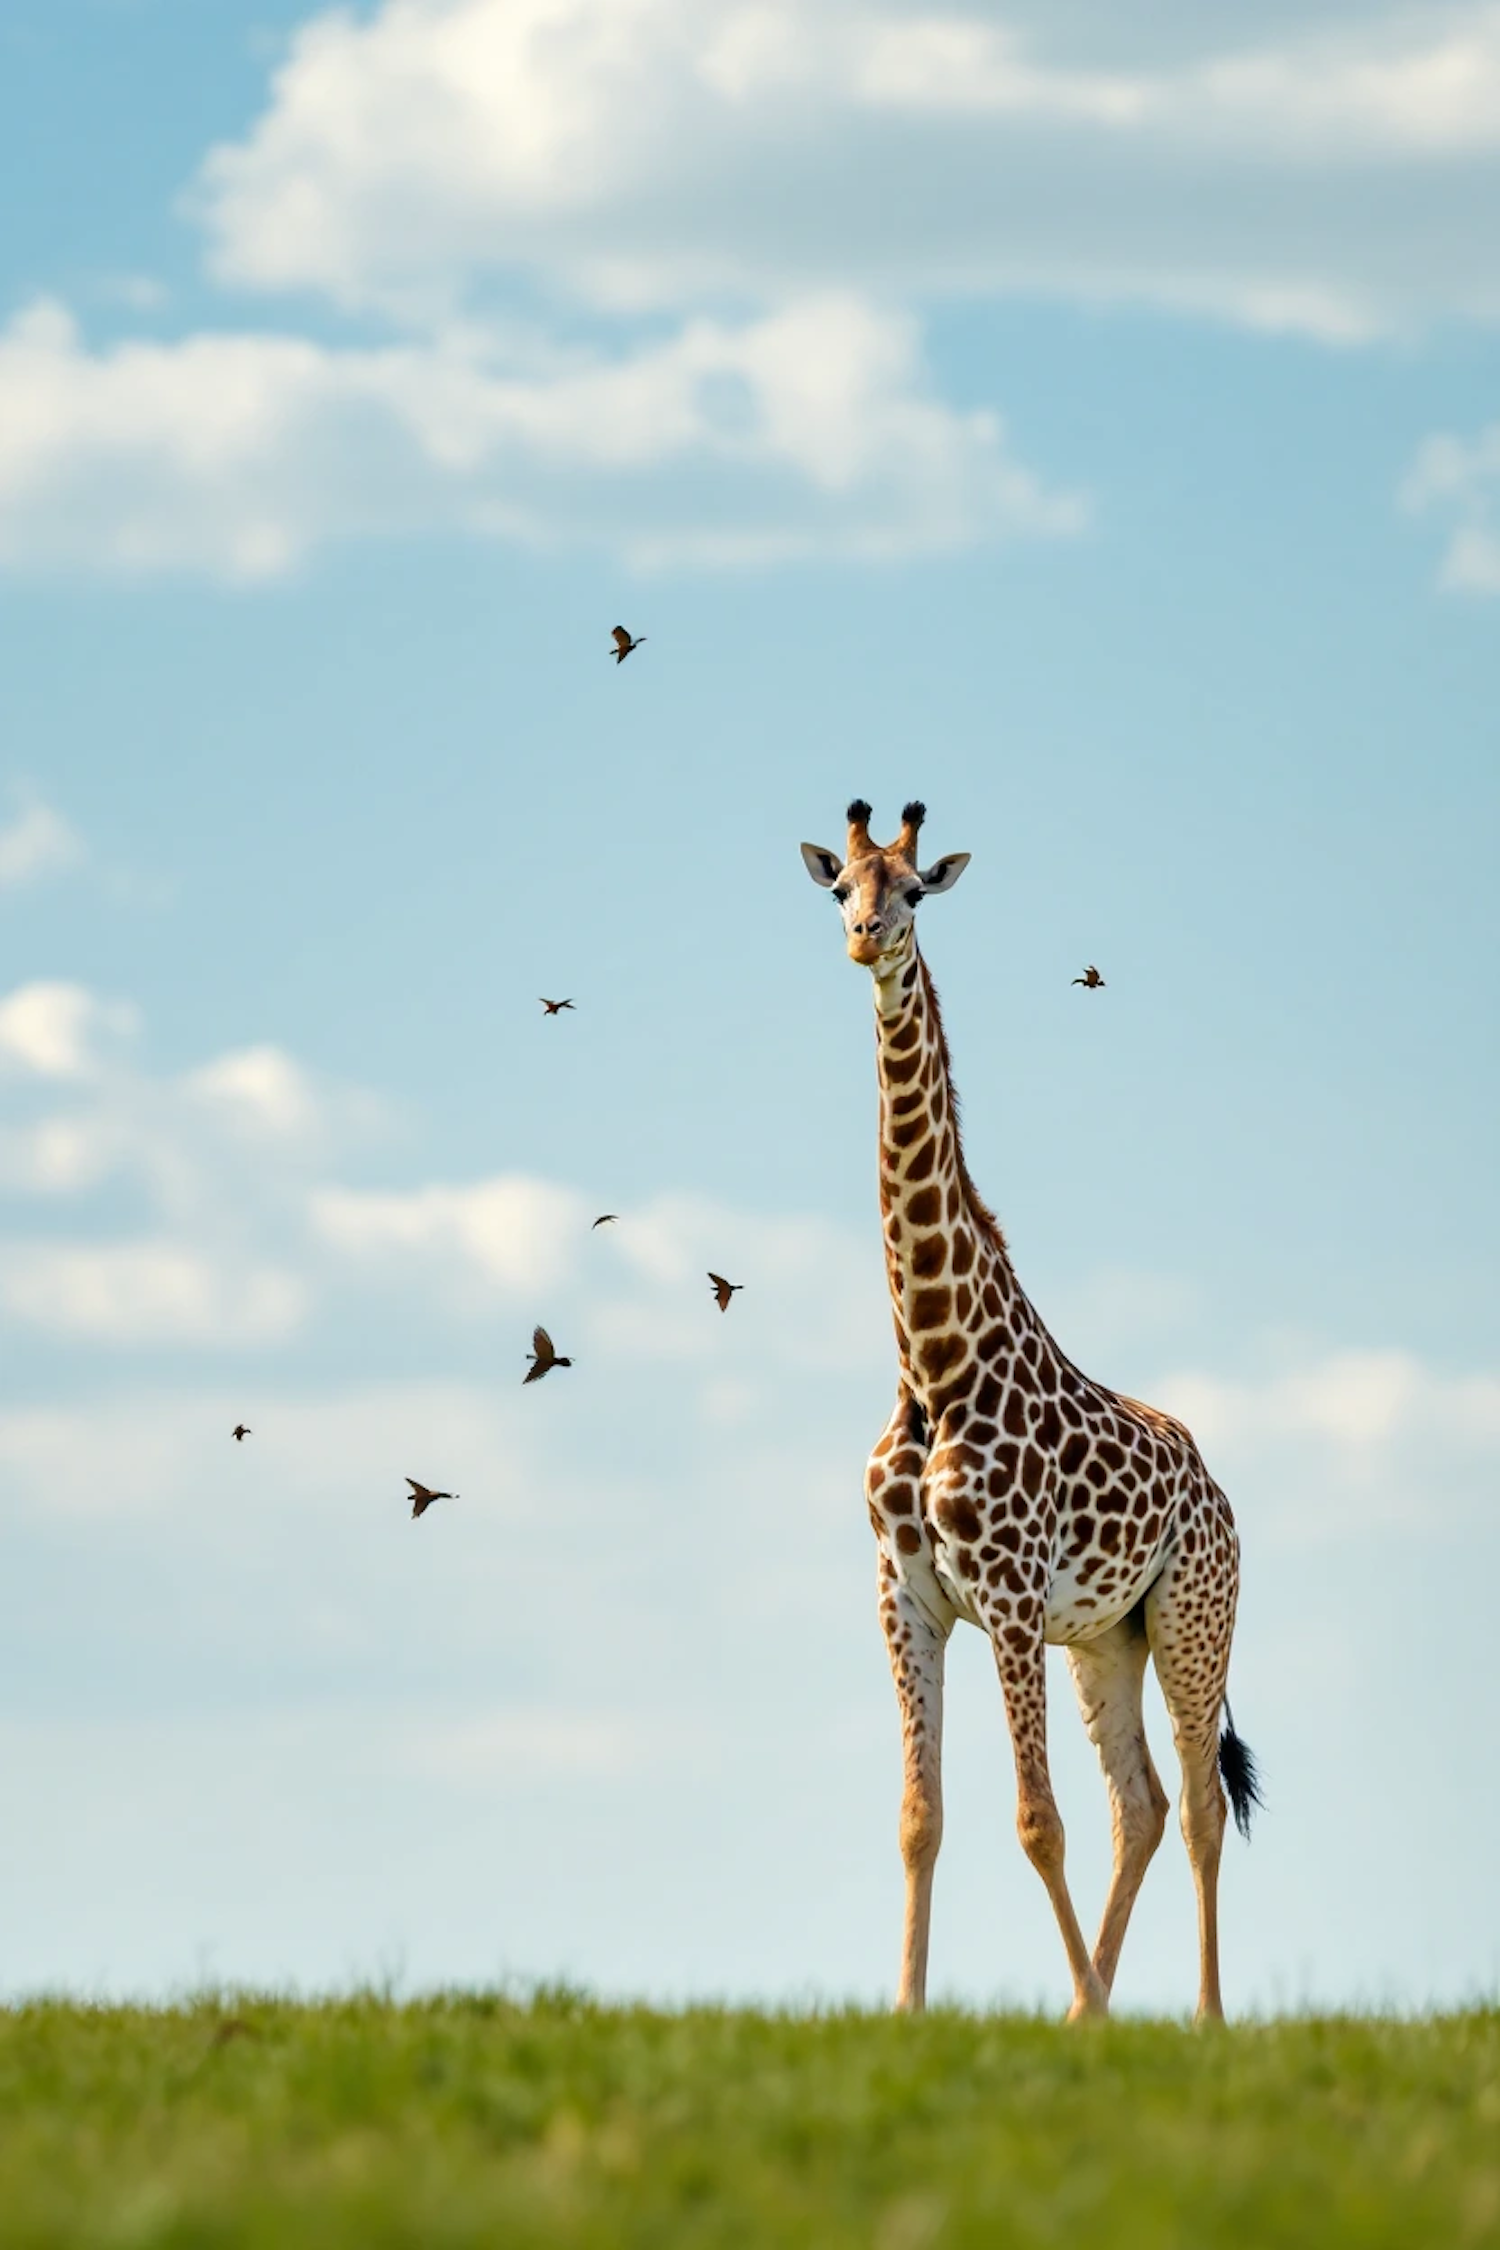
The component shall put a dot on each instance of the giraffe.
(1011, 1491)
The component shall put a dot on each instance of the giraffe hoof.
(1091, 2005)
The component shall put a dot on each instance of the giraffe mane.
(979, 1211)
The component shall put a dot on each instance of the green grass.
(477, 2119)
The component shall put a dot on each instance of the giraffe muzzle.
(871, 943)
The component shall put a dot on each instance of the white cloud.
(737, 197)
(811, 429)
(49, 1028)
(1328, 97)
(657, 150)
(58, 1156)
(1461, 481)
(1472, 562)
(38, 841)
(146, 1293)
(814, 1296)
(515, 1231)
(715, 211)
(1368, 1436)
(133, 1455)
(261, 1086)
(181, 1135)
(222, 1157)
(248, 1240)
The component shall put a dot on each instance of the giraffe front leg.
(1020, 1655)
(1107, 1675)
(916, 1645)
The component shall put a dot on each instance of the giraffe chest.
(1066, 1556)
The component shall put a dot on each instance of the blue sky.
(1088, 427)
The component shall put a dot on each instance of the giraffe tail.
(1241, 1774)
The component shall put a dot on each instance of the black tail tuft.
(1237, 1765)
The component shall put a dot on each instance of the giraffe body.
(1012, 1492)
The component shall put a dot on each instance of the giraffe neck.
(949, 1271)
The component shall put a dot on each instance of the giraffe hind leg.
(1190, 1623)
(1107, 1676)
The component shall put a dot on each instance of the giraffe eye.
(915, 897)
(841, 892)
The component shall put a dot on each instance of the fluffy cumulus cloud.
(145, 1293)
(639, 1291)
(810, 429)
(718, 215)
(217, 1162)
(205, 1209)
(1333, 1440)
(265, 1092)
(1458, 482)
(648, 150)
(53, 1030)
(510, 1230)
(35, 842)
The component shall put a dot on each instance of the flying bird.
(624, 644)
(724, 1290)
(555, 1007)
(605, 1219)
(1091, 979)
(240, 1431)
(422, 1498)
(543, 1356)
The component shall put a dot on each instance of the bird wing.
(541, 1344)
(719, 1282)
(604, 1219)
(620, 637)
(420, 1488)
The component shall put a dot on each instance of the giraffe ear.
(943, 873)
(822, 866)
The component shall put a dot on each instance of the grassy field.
(474, 2119)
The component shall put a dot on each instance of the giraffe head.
(878, 888)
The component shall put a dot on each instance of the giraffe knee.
(1039, 1826)
(921, 1828)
